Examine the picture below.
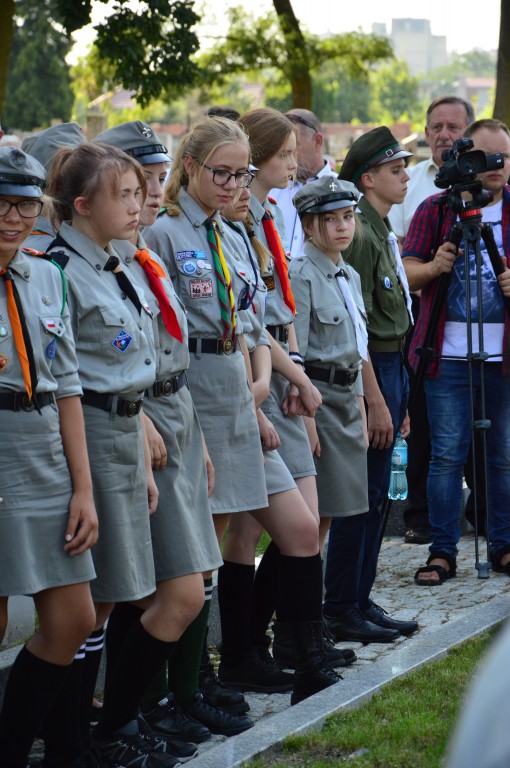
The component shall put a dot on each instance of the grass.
(407, 725)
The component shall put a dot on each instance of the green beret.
(376, 147)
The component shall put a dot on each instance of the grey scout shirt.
(181, 241)
(115, 344)
(277, 312)
(372, 257)
(324, 330)
(173, 355)
(40, 288)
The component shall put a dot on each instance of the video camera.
(462, 167)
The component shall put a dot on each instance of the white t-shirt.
(284, 199)
(493, 306)
(420, 186)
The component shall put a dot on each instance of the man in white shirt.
(311, 165)
(446, 120)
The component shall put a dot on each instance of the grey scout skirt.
(36, 489)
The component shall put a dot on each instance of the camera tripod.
(468, 233)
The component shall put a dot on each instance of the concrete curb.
(269, 733)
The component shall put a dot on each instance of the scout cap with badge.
(138, 140)
(20, 174)
(44, 145)
(375, 147)
(325, 194)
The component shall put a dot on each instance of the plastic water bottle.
(398, 478)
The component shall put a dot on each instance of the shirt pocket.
(118, 329)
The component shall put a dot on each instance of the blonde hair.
(200, 143)
(81, 172)
(267, 130)
(262, 253)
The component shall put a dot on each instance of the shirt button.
(335, 319)
(123, 296)
(26, 275)
(168, 351)
(98, 267)
(128, 259)
(148, 362)
(330, 277)
(121, 320)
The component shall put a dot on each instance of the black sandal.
(443, 574)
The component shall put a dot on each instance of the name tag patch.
(183, 255)
(122, 341)
(201, 289)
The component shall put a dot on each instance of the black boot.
(313, 673)
(284, 651)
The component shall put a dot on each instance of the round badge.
(3, 330)
(201, 264)
(387, 282)
(189, 267)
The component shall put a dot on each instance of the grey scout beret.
(20, 174)
(138, 140)
(325, 194)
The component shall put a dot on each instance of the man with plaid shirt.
(447, 385)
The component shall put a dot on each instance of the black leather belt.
(127, 408)
(279, 332)
(213, 346)
(385, 345)
(20, 401)
(168, 386)
(332, 375)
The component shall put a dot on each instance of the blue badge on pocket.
(122, 341)
(189, 267)
(387, 282)
(51, 349)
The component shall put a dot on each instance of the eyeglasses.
(27, 209)
(298, 119)
(221, 177)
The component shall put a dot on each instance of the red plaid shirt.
(419, 243)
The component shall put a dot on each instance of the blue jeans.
(448, 403)
(344, 589)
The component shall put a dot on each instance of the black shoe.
(216, 719)
(418, 534)
(169, 719)
(313, 674)
(218, 695)
(284, 651)
(158, 742)
(352, 625)
(130, 751)
(257, 672)
(378, 615)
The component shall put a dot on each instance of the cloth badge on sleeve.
(3, 362)
(54, 325)
(122, 341)
(201, 289)
(51, 349)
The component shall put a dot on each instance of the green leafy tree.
(395, 91)
(502, 104)
(275, 42)
(6, 35)
(38, 84)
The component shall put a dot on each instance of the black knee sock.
(301, 587)
(235, 587)
(122, 618)
(93, 653)
(138, 663)
(62, 728)
(265, 598)
(31, 689)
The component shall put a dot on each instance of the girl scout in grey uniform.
(183, 536)
(97, 193)
(47, 515)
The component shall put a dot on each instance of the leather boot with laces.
(313, 673)
(257, 672)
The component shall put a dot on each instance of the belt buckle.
(27, 403)
(134, 407)
(285, 334)
(228, 347)
(352, 376)
(168, 386)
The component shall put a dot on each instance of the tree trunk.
(298, 64)
(6, 35)
(502, 103)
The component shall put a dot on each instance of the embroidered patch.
(201, 289)
(183, 255)
(3, 362)
(53, 325)
(122, 341)
(51, 349)
(269, 281)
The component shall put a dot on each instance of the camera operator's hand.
(504, 279)
(445, 258)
